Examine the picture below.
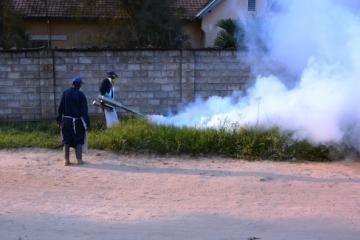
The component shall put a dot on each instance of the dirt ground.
(147, 197)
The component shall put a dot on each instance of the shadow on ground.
(266, 176)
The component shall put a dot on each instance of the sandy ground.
(145, 197)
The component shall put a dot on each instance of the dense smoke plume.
(316, 95)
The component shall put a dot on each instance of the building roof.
(191, 7)
(97, 8)
(69, 8)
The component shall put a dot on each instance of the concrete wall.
(151, 81)
(26, 85)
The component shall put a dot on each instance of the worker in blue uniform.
(73, 119)
(107, 90)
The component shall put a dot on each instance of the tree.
(12, 28)
(232, 35)
(153, 23)
(148, 24)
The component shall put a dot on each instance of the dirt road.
(142, 197)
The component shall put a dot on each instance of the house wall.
(234, 9)
(85, 34)
(194, 32)
(150, 81)
(77, 33)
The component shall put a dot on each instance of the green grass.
(30, 134)
(140, 136)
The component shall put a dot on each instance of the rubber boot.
(78, 152)
(67, 154)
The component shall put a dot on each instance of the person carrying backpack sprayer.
(107, 90)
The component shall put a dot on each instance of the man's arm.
(84, 110)
(61, 109)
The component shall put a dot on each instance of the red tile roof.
(101, 8)
(69, 8)
(191, 7)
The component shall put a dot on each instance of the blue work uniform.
(73, 114)
(106, 88)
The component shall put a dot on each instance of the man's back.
(106, 88)
(74, 103)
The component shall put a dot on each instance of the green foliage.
(29, 134)
(231, 35)
(141, 136)
(151, 23)
(12, 27)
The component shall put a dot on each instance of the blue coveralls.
(106, 88)
(73, 114)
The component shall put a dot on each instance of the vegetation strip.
(141, 136)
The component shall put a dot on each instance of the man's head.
(77, 82)
(112, 75)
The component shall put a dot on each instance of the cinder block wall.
(26, 85)
(151, 81)
(219, 73)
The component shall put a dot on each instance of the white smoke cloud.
(318, 44)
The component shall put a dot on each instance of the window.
(38, 43)
(47, 37)
(251, 5)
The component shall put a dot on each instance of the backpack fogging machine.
(110, 104)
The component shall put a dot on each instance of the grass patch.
(140, 136)
(29, 134)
